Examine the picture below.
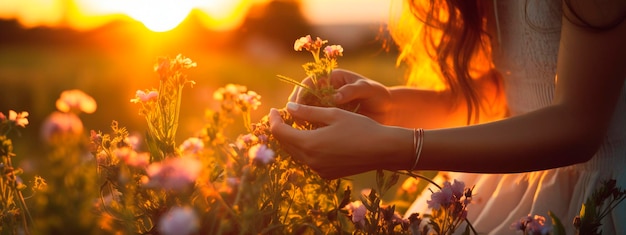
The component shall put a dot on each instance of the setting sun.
(159, 15)
(156, 15)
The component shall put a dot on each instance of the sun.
(159, 15)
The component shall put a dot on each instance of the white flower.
(179, 221)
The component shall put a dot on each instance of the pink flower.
(358, 211)
(245, 140)
(174, 173)
(250, 99)
(142, 96)
(179, 221)
(532, 225)
(333, 51)
(132, 158)
(61, 126)
(192, 145)
(18, 118)
(261, 153)
(76, 101)
(308, 44)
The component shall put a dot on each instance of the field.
(111, 63)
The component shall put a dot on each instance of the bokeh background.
(108, 49)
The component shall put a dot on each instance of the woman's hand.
(346, 144)
(373, 99)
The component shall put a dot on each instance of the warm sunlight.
(156, 15)
(159, 15)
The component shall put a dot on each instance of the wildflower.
(532, 225)
(357, 211)
(250, 99)
(76, 101)
(61, 126)
(443, 198)
(173, 173)
(303, 42)
(308, 44)
(448, 194)
(133, 140)
(166, 66)
(245, 140)
(192, 145)
(143, 97)
(261, 153)
(132, 158)
(333, 51)
(18, 118)
(179, 221)
(230, 91)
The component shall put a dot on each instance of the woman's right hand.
(372, 98)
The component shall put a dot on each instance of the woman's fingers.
(313, 114)
(358, 90)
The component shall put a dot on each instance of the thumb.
(312, 113)
(351, 92)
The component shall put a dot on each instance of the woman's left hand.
(346, 144)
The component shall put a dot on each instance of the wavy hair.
(449, 39)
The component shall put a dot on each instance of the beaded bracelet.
(418, 142)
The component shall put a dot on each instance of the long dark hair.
(454, 33)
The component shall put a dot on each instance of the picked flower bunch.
(318, 89)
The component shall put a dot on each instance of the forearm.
(543, 139)
(425, 108)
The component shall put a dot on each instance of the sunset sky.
(163, 15)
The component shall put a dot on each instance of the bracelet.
(418, 142)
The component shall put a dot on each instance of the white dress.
(529, 44)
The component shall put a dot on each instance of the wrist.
(400, 148)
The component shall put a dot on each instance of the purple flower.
(358, 211)
(443, 198)
(179, 221)
(261, 153)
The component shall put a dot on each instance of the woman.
(563, 132)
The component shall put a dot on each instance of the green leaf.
(558, 228)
